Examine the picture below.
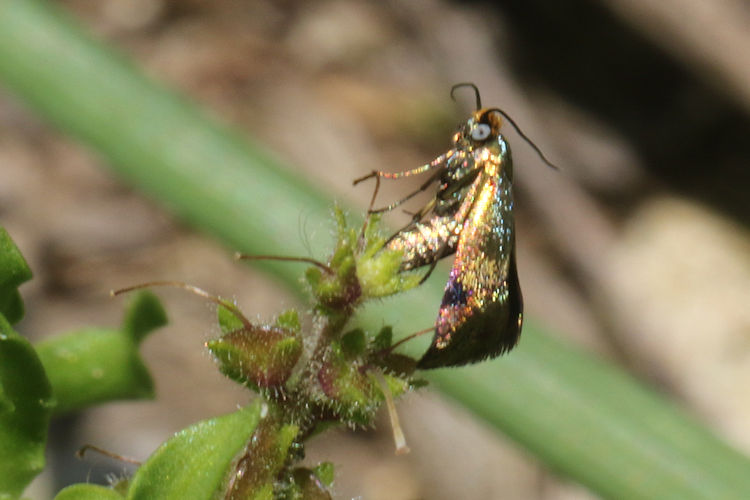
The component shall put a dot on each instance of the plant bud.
(262, 356)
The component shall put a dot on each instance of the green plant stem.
(209, 175)
(586, 419)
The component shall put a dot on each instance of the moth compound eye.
(480, 132)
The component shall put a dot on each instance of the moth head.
(484, 124)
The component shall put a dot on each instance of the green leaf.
(144, 314)
(305, 484)
(88, 492)
(383, 339)
(25, 408)
(228, 320)
(195, 462)
(289, 319)
(13, 272)
(94, 365)
(354, 343)
(325, 472)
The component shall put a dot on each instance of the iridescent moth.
(471, 215)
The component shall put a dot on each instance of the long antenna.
(507, 117)
(468, 84)
(526, 138)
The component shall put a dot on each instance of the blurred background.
(637, 250)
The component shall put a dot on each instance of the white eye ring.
(480, 132)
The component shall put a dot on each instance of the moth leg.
(437, 162)
(408, 197)
(416, 217)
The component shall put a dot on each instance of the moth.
(471, 216)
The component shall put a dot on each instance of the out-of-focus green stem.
(586, 419)
(161, 142)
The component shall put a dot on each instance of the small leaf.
(88, 492)
(289, 319)
(374, 240)
(338, 215)
(353, 343)
(144, 314)
(25, 409)
(306, 485)
(325, 472)
(395, 363)
(383, 339)
(397, 385)
(228, 321)
(313, 276)
(194, 463)
(93, 365)
(13, 272)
